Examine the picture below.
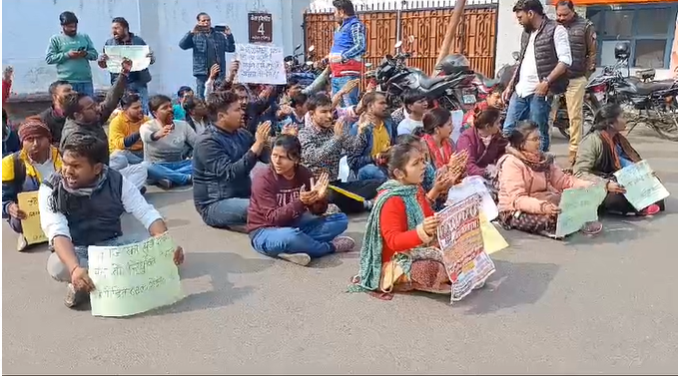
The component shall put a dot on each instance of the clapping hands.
(317, 192)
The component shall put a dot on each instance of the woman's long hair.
(606, 117)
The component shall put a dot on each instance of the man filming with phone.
(209, 45)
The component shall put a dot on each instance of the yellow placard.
(492, 239)
(347, 193)
(28, 203)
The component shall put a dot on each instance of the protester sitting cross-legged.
(484, 144)
(124, 139)
(379, 133)
(196, 114)
(605, 151)
(82, 205)
(493, 100)
(416, 105)
(398, 252)
(183, 94)
(438, 128)
(165, 141)
(84, 115)
(323, 143)
(285, 217)
(24, 171)
(223, 159)
(531, 184)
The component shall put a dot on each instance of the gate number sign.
(260, 27)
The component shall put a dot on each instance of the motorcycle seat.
(428, 82)
(486, 81)
(643, 88)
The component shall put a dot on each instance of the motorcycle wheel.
(587, 122)
(667, 127)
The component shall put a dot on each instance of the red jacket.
(6, 89)
(393, 222)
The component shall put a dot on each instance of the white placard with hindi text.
(138, 55)
(259, 64)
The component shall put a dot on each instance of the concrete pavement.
(605, 304)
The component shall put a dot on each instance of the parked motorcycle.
(305, 72)
(653, 103)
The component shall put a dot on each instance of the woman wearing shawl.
(530, 185)
(398, 252)
(603, 152)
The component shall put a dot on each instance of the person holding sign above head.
(25, 170)
(223, 159)
(82, 205)
(398, 252)
(137, 81)
(531, 184)
(209, 47)
(605, 151)
(285, 217)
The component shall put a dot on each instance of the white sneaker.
(296, 258)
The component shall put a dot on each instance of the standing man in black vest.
(583, 46)
(544, 59)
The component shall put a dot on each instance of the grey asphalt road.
(606, 304)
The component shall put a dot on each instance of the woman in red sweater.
(438, 128)
(399, 250)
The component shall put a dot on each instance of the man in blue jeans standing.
(347, 50)
(137, 81)
(209, 47)
(544, 58)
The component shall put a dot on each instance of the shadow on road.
(217, 266)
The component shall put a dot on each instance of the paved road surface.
(607, 304)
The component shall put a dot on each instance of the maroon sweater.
(480, 156)
(275, 200)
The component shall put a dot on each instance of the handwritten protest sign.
(461, 241)
(28, 203)
(259, 64)
(578, 207)
(138, 55)
(134, 278)
(474, 185)
(642, 187)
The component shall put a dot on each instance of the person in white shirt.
(544, 59)
(81, 205)
(415, 106)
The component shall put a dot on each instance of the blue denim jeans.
(350, 99)
(200, 86)
(372, 172)
(309, 234)
(83, 87)
(179, 173)
(142, 90)
(226, 213)
(534, 108)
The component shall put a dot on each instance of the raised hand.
(126, 65)
(320, 186)
(263, 131)
(308, 197)
(214, 71)
(339, 128)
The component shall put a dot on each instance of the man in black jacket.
(544, 59)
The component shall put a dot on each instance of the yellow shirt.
(380, 139)
(31, 172)
(121, 127)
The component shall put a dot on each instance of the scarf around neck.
(63, 198)
(440, 159)
(370, 253)
(537, 162)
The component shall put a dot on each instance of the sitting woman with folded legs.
(398, 252)
(286, 217)
(605, 151)
(530, 185)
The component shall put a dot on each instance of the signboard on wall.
(610, 2)
(260, 27)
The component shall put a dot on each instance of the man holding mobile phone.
(209, 47)
(71, 52)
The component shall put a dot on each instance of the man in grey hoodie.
(84, 115)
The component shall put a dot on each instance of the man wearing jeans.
(138, 81)
(346, 54)
(223, 159)
(544, 59)
(582, 35)
(165, 141)
(71, 52)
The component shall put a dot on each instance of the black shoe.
(165, 184)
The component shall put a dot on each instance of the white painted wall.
(161, 23)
